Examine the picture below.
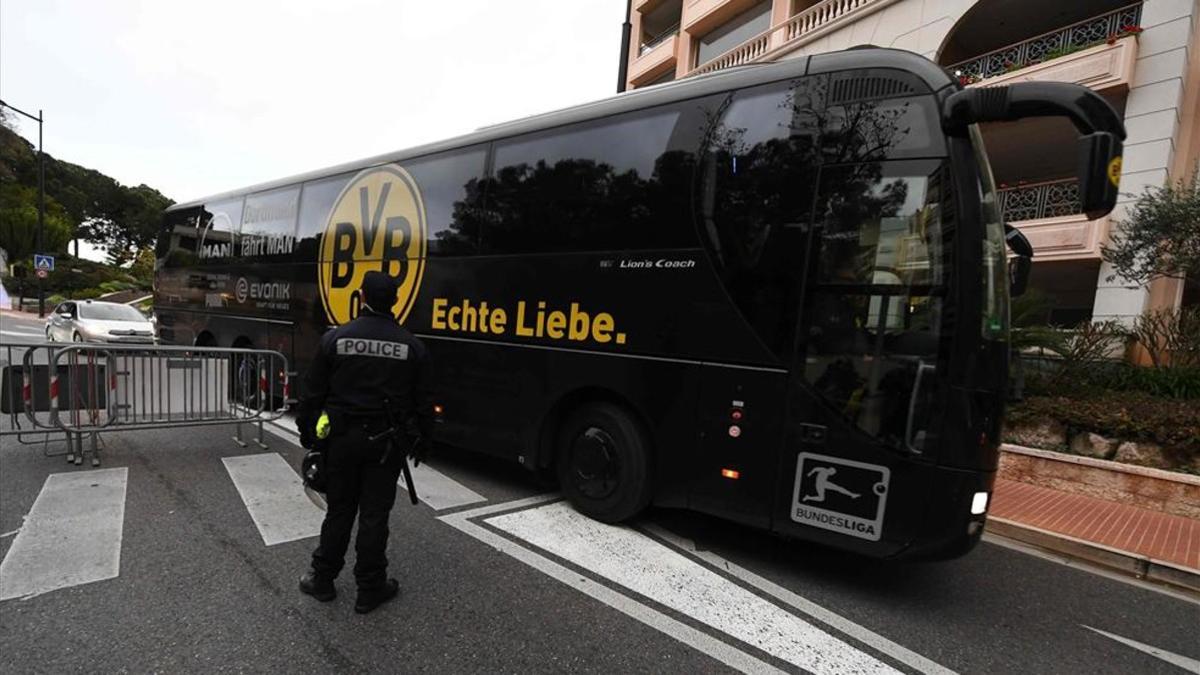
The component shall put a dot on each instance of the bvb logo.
(377, 223)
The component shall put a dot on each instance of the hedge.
(1174, 424)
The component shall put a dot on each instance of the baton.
(390, 434)
(408, 481)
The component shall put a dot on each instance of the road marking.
(1189, 664)
(828, 617)
(696, 639)
(71, 536)
(440, 491)
(662, 574)
(434, 488)
(274, 496)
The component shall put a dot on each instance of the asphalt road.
(512, 582)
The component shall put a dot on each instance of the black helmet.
(312, 471)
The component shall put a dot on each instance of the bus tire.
(603, 463)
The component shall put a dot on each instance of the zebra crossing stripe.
(71, 536)
(653, 570)
(274, 496)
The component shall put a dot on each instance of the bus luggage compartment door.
(740, 418)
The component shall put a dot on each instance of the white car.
(99, 321)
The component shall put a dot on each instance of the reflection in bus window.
(269, 224)
(218, 230)
(450, 189)
(756, 200)
(873, 315)
(610, 185)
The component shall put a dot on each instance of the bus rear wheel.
(604, 463)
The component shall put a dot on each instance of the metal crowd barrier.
(83, 389)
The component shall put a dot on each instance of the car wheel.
(604, 463)
(49, 334)
(76, 337)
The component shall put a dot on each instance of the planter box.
(1154, 489)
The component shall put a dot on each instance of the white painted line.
(696, 639)
(434, 488)
(830, 618)
(440, 491)
(274, 496)
(651, 569)
(71, 536)
(1189, 664)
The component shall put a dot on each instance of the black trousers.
(358, 485)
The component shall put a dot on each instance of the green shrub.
(1174, 424)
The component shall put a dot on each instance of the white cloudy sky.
(195, 97)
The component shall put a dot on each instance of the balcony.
(802, 28)
(656, 57)
(1098, 52)
(1051, 216)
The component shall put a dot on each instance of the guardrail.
(789, 33)
(1047, 46)
(1049, 199)
(84, 389)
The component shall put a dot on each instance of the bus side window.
(178, 239)
(757, 189)
(452, 187)
(218, 230)
(612, 184)
(268, 228)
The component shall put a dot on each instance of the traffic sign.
(42, 274)
(43, 262)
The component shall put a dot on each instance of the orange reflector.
(731, 474)
(437, 409)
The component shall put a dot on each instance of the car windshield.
(109, 312)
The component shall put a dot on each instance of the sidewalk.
(1147, 543)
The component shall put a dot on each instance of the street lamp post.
(41, 201)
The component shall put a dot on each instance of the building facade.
(1143, 57)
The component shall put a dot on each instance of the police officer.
(358, 367)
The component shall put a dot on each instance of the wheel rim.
(595, 465)
(76, 338)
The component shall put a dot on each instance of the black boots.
(319, 588)
(370, 599)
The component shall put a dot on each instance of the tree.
(1161, 236)
(19, 223)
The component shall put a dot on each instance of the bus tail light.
(731, 474)
(979, 504)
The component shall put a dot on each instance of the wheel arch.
(569, 402)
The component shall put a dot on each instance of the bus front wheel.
(604, 463)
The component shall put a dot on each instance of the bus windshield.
(875, 309)
(995, 276)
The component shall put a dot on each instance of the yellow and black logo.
(377, 223)
(1114, 171)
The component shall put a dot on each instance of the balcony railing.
(657, 40)
(799, 26)
(1051, 199)
(1072, 38)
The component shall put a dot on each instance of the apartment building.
(1143, 57)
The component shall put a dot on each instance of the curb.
(1125, 562)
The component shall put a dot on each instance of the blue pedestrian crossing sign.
(43, 262)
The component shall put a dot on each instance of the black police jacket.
(361, 364)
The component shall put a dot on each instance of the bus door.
(870, 354)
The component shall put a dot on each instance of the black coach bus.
(777, 294)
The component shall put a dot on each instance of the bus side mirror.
(1018, 274)
(1099, 172)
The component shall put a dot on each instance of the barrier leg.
(70, 449)
(95, 449)
(78, 449)
(259, 440)
(237, 435)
